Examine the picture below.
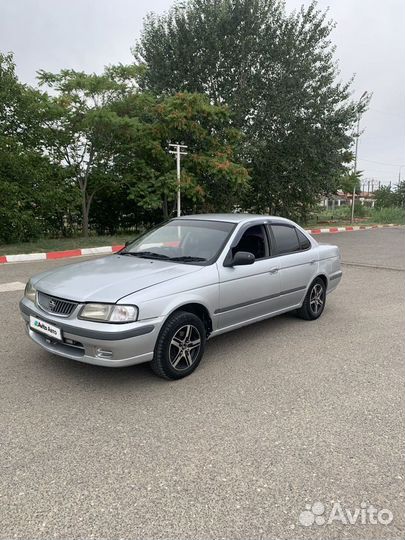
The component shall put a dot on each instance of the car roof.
(232, 218)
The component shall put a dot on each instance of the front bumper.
(102, 344)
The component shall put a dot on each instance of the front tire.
(180, 346)
(314, 303)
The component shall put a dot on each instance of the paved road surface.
(279, 415)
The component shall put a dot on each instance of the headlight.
(30, 291)
(124, 314)
(109, 313)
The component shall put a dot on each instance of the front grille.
(54, 305)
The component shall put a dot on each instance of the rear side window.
(286, 238)
(303, 240)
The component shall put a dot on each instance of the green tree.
(211, 179)
(277, 73)
(385, 197)
(33, 189)
(350, 181)
(84, 133)
(400, 193)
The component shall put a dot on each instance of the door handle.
(274, 270)
(313, 262)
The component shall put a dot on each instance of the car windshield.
(182, 240)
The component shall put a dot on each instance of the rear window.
(286, 238)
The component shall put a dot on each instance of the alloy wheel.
(317, 298)
(184, 347)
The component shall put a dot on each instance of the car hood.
(108, 279)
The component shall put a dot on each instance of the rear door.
(296, 261)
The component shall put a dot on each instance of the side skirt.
(252, 321)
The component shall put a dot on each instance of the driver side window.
(253, 240)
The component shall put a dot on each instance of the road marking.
(12, 286)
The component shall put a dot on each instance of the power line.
(381, 162)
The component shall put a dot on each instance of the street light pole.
(178, 150)
(355, 154)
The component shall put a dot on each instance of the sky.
(89, 34)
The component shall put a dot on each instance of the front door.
(249, 292)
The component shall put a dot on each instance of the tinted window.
(286, 238)
(303, 240)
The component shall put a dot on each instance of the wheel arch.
(321, 276)
(324, 278)
(198, 309)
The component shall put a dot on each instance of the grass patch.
(60, 244)
(389, 215)
(362, 216)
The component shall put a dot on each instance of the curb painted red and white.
(59, 254)
(349, 228)
(113, 249)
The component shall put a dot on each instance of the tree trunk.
(86, 213)
(164, 207)
(85, 216)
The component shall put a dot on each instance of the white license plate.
(45, 328)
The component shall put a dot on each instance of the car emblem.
(52, 304)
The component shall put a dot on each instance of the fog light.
(103, 353)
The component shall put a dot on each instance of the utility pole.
(179, 151)
(363, 96)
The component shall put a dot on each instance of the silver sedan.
(160, 298)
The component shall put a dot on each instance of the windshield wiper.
(187, 258)
(145, 254)
(153, 255)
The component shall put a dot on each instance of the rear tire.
(180, 346)
(314, 303)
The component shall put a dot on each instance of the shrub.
(388, 215)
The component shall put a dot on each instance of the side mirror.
(127, 243)
(242, 258)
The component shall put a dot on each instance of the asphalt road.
(278, 415)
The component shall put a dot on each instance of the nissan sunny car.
(160, 298)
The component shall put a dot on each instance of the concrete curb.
(113, 249)
(59, 254)
(349, 228)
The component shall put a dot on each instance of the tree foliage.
(278, 75)
(211, 179)
(105, 133)
(386, 197)
(350, 181)
(35, 196)
(400, 193)
(84, 132)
